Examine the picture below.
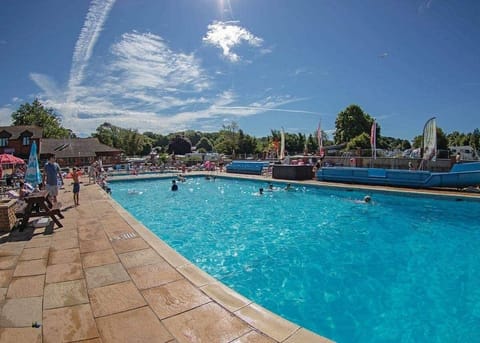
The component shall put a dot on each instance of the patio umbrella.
(10, 159)
(32, 175)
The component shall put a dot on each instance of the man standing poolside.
(52, 170)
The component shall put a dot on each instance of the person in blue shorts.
(76, 186)
(52, 176)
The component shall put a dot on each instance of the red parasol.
(10, 159)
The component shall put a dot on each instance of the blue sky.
(171, 65)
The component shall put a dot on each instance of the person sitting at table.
(23, 191)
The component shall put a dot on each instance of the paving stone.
(21, 312)
(174, 298)
(63, 244)
(64, 272)
(140, 258)
(62, 294)
(153, 275)
(28, 286)
(125, 327)
(34, 253)
(225, 296)
(267, 322)
(64, 256)
(8, 262)
(67, 324)
(304, 335)
(95, 245)
(5, 277)
(11, 248)
(19, 335)
(207, 323)
(115, 298)
(91, 233)
(65, 234)
(106, 275)
(126, 245)
(99, 258)
(3, 295)
(255, 337)
(39, 242)
(26, 268)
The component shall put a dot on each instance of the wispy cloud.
(6, 115)
(256, 109)
(144, 61)
(229, 35)
(143, 84)
(424, 5)
(46, 83)
(146, 85)
(96, 17)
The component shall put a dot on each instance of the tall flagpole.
(373, 140)
(320, 138)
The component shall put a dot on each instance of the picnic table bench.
(37, 204)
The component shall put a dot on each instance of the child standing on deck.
(76, 186)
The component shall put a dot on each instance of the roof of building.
(74, 147)
(16, 131)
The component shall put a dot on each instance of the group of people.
(271, 188)
(51, 181)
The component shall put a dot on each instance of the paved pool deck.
(104, 277)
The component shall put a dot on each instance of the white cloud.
(46, 84)
(96, 17)
(145, 85)
(228, 35)
(6, 115)
(146, 62)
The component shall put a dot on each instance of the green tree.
(352, 122)
(227, 141)
(205, 144)
(193, 136)
(36, 114)
(130, 141)
(179, 146)
(246, 143)
(362, 141)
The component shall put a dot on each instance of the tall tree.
(350, 123)
(205, 144)
(36, 114)
(227, 142)
(179, 146)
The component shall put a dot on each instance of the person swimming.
(174, 185)
(367, 199)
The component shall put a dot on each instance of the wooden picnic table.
(38, 204)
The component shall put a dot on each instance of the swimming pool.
(405, 268)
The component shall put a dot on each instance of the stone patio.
(104, 277)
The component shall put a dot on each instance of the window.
(26, 140)
(3, 142)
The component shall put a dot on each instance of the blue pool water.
(403, 269)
